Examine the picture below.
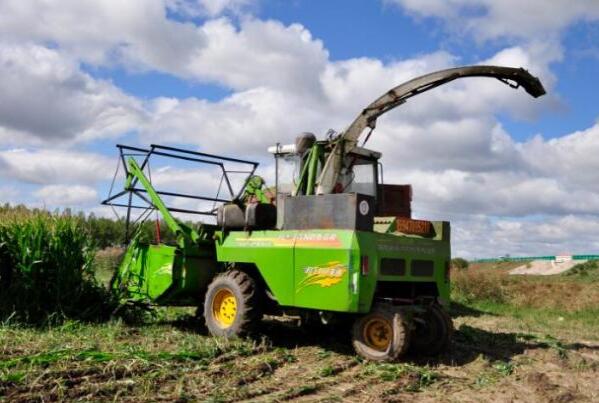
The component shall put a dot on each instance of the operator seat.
(230, 216)
(257, 216)
(260, 216)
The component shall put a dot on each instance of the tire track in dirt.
(305, 376)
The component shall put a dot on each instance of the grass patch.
(470, 285)
(565, 305)
(106, 262)
(45, 359)
(102, 359)
(568, 323)
(416, 377)
(328, 371)
(578, 291)
(587, 270)
(504, 368)
(494, 373)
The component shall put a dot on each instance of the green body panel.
(313, 269)
(272, 253)
(409, 248)
(306, 183)
(326, 264)
(299, 267)
(161, 274)
(321, 269)
(165, 274)
(156, 262)
(147, 271)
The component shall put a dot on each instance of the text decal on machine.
(325, 276)
(414, 227)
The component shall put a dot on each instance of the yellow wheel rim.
(377, 333)
(224, 307)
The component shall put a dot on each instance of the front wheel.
(232, 305)
(383, 334)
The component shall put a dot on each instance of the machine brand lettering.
(336, 271)
(317, 239)
(421, 250)
(325, 276)
(415, 227)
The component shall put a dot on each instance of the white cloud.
(260, 53)
(572, 158)
(136, 32)
(45, 97)
(350, 85)
(197, 179)
(468, 144)
(497, 194)
(242, 124)
(67, 195)
(496, 177)
(492, 19)
(249, 121)
(479, 236)
(54, 166)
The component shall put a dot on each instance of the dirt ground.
(517, 339)
(492, 358)
(545, 267)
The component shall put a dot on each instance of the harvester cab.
(330, 242)
(298, 168)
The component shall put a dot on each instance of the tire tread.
(249, 312)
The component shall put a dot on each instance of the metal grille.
(393, 267)
(422, 268)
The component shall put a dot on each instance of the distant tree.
(459, 263)
(105, 231)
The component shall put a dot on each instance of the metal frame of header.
(180, 154)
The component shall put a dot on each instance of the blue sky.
(389, 33)
(513, 174)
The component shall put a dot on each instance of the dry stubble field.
(517, 338)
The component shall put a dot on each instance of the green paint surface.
(314, 269)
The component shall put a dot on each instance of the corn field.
(46, 268)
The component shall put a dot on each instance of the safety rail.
(529, 258)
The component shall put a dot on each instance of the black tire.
(445, 313)
(433, 329)
(5, 275)
(382, 320)
(240, 286)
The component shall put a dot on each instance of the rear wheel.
(433, 329)
(383, 334)
(231, 305)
